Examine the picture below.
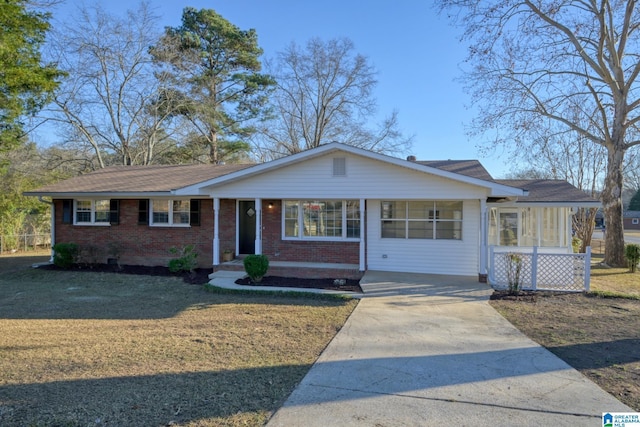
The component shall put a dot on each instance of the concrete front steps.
(308, 270)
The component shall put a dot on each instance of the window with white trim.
(91, 212)
(170, 212)
(634, 221)
(321, 219)
(421, 219)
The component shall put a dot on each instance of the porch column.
(483, 239)
(216, 229)
(258, 249)
(363, 243)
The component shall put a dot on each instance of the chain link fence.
(24, 243)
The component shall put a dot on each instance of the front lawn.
(82, 349)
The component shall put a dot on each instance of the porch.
(309, 270)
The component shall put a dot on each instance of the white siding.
(365, 178)
(459, 257)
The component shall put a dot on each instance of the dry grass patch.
(108, 349)
(615, 280)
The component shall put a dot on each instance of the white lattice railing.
(540, 271)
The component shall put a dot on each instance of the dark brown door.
(247, 231)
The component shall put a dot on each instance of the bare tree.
(110, 101)
(537, 62)
(325, 93)
(573, 158)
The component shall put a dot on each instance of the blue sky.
(416, 53)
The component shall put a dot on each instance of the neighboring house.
(334, 206)
(631, 220)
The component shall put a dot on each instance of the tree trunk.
(612, 204)
(214, 155)
(584, 224)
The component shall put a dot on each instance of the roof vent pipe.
(411, 158)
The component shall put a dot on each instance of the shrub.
(576, 244)
(65, 254)
(256, 267)
(186, 260)
(514, 269)
(632, 254)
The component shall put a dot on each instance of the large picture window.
(92, 212)
(321, 219)
(421, 219)
(170, 212)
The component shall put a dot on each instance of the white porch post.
(216, 230)
(483, 237)
(258, 248)
(363, 242)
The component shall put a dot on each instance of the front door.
(247, 226)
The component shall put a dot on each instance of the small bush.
(256, 267)
(632, 254)
(65, 254)
(186, 261)
(576, 244)
(514, 270)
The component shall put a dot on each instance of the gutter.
(53, 224)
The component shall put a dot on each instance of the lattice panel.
(561, 272)
(501, 270)
(553, 272)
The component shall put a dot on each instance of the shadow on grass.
(149, 400)
(164, 398)
(599, 355)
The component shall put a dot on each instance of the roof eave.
(568, 203)
(105, 194)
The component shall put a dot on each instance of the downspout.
(53, 224)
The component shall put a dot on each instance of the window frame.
(92, 213)
(170, 213)
(408, 218)
(345, 219)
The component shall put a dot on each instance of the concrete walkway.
(426, 350)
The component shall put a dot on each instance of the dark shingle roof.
(548, 190)
(470, 168)
(140, 179)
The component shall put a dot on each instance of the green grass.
(81, 349)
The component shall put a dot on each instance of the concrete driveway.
(427, 350)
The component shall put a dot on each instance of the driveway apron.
(427, 350)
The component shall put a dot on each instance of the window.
(529, 226)
(321, 219)
(170, 212)
(634, 221)
(421, 219)
(92, 212)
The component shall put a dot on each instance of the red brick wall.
(628, 224)
(227, 229)
(140, 244)
(145, 245)
(307, 251)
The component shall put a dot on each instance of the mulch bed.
(199, 277)
(525, 296)
(293, 282)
